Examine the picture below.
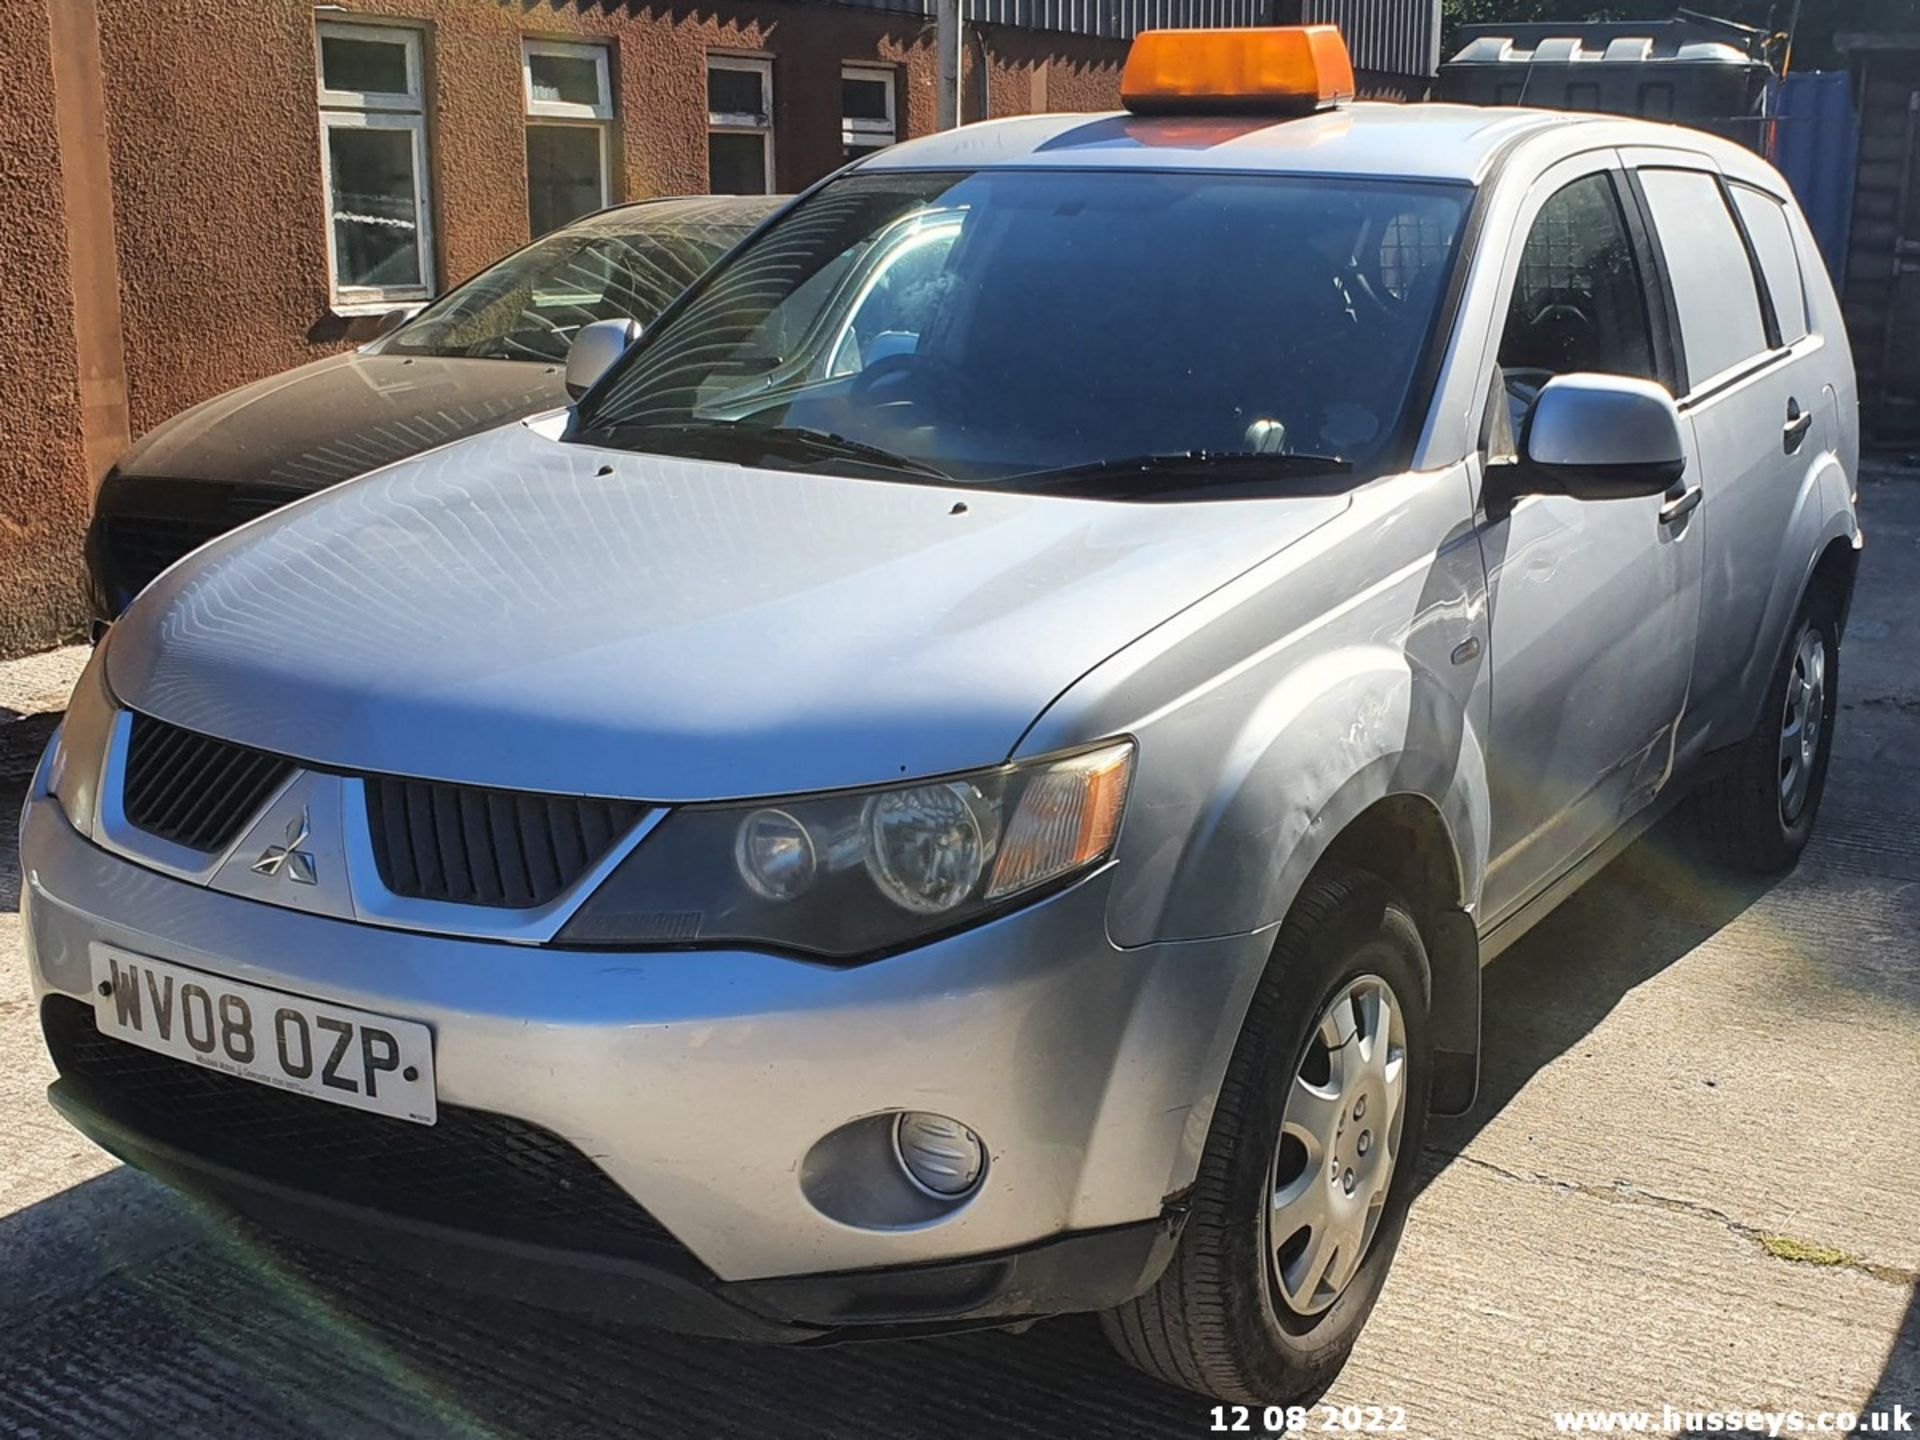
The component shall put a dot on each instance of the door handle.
(1795, 430)
(1681, 505)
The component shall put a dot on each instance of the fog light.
(941, 1156)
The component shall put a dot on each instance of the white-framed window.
(569, 131)
(739, 125)
(373, 164)
(867, 114)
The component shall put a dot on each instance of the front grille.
(192, 789)
(463, 844)
(139, 547)
(473, 1170)
(501, 848)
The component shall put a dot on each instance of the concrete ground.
(1693, 1179)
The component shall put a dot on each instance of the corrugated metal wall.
(1118, 19)
(1111, 19)
(1389, 37)
(1393, 37)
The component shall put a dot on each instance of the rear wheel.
(1759, 815)
(1308, 1172)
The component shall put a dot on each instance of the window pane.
(529, 305)
(736, 164)
(1712, 279)
(350, 63)
(853, 150)
(1578, 301)
(863, 99)
(1767, 226)
(376, 225)
(563, 174)
(1041, 308)
(734, 92)
(567, 79)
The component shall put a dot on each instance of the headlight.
(80, 753)
(928, 847)
(856, 872)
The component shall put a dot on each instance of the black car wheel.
(1308, 1171)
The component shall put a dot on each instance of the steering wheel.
(1561, 313)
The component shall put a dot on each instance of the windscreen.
(529, 306)
(1003, 324)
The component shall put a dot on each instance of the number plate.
(328, 1051)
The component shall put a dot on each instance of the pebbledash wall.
(43, 472)
(162, 217)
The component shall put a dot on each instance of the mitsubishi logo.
(289, 859)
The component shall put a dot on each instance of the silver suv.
(976, 778)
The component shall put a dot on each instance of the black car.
(490, 352)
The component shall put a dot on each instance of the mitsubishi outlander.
(975, 776)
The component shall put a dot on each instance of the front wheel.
(1308, 1172)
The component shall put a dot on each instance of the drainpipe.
(982, 72)
(947, 40)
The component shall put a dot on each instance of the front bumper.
(667, 1288)
(700, 1081)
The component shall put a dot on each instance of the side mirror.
(595, 347)
(392, 320)
(1601, 437)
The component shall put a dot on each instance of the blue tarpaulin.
(1814, 137)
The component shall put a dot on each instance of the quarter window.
(1766, 222)
(1579, 299)
(569, 116)
(373, 158)
(739, 125)
(1713, 286)
(867, 120)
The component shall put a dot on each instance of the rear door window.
(1721, 324)
(1766, 222)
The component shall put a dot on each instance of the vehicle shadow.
(222, 1332)
(1539, 999)
(21, 741)
(1898, 1392)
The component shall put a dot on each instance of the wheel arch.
(1835, 571)
(1404, 840)
(1362, 757)
(1833, 565)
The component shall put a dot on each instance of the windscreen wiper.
(748, 444)
(805, 442)
(1229, 474)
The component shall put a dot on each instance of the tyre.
(1759, 815)
(1308, 1170)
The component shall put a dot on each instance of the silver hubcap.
(1801, 724)
(1339, 1138)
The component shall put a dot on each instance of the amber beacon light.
(1288, 69)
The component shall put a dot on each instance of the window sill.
(354, 309)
